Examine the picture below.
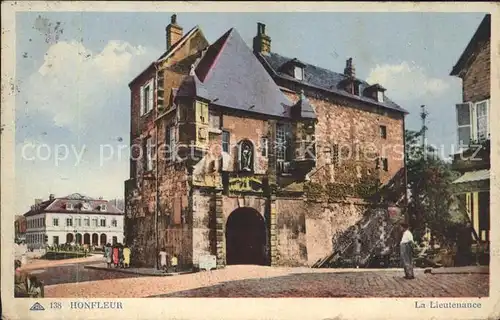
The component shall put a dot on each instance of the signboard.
(252, 184)
(207, 262)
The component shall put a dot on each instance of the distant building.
(20, 228)
(73, 219)
(473, 127)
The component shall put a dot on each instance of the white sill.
(147, 113)
(213, 130)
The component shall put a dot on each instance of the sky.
(73, 70)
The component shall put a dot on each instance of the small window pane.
(464, 136)
(225, 141)
(463, 114)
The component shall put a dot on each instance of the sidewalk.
(152, 272)
(41, 263)
(459, 270)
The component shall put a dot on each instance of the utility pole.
(423, 116)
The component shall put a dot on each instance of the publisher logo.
(37, 307)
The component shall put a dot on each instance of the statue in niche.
(246, 156)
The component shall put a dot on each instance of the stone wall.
(204, 240)
(476, 82)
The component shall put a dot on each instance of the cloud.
(407, 81)
(74, 84)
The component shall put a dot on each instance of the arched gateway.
(245, 237)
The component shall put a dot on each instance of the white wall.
(35, 234)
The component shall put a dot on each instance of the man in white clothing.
(406, 251)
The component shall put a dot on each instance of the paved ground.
(260, 281)
(360, 284)
(75, 273)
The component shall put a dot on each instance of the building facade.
(74, 219)
(473, 130)
(20, 228)
(253, 157)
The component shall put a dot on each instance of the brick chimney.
(174, 32)
(261, 42)
(51, 196)
(349, 70)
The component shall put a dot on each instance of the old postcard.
(339, 152)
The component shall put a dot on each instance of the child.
(163, 259)
(173, 263)
(126, 256)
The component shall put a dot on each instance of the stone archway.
(86, 238)
(103, 239)
(245, 237)
(69, 237)
(95, 239)
(78, 238)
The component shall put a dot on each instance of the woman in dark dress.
(120, 255)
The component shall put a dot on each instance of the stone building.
(73, 219)
(473, 128)
(251, 156)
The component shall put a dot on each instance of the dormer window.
(103, 207)
(69, 206)
(380, 96)
(298, 72)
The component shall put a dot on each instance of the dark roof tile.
(323, 79)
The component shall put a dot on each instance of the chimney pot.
(173, 32)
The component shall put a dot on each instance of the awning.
(474, 176)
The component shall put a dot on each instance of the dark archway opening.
(245, 237)
(86, 238)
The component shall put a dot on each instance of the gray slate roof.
(321, 78)
(230, 75)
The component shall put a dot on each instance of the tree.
(430, 186)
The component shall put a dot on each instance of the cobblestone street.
(258, 281)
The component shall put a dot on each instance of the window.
(464, 124)
(482, 120)
(472, 122)
(69, 222)
(214, 120)
(43, 222)
(147, 98)
(335, 154)
(383, 132)
(103, 222)
(78, 222)
(94, 222)
(104, 207)
(69, 206)
(201, 112)
(263, 146)
(281, 142)
(380, 96)
(385, 164)
(55, 222)
(225, 141)
(114, 223)
(149, 154)
(298, 73)
(55, 240)
(86, 222)
(355, 88)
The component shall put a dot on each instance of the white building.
(73, 219)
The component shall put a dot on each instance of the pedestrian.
(163, 259)
(406, 251)
(120, 255)
(108, 254)
(126, 256)
(115, 256)
(173, 262)
(357, 252)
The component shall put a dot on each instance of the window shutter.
(142, 100)
(151, 94)
(464, 120)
